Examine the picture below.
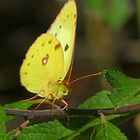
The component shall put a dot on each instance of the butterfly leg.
(53, 102)
(42, 100)
(31, 98)
(40, 103)
(66, 105)
(34, 96)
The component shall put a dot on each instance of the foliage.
(115, 13)
(125, 92)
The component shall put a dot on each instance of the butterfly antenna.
(84, 77)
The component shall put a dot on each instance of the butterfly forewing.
(64, 28)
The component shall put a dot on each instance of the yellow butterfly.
(49, 58)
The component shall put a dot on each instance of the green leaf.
(135, 100)
(2, 124)
(119, 81)
(126, 89)
(126, 92)
(17, 105)
(52, 130)
(122, 98)
(107, 131)
(99, 101)
(90, 124)
(118, 13)
(114, 12)
(95, 6)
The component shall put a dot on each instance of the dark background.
(107, 38)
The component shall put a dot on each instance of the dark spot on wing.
(66, 47)
(43, 43)
(60, 26)
(32, 56)
(57, 46)
(67, 15)
(55, 34)
(45, 59)
(47, 55)
(28, 63)
(74, 15)
(50, 41)
(25, 73)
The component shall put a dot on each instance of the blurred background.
(108, 37)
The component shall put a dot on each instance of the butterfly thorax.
(56, 90)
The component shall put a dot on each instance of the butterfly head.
(64, 89)
(57, 90)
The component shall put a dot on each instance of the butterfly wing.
(44, 63)
(64, 28)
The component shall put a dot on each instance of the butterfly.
(49, 59)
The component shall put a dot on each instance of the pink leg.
(53, 103)
(31, 98)
(42, 100)
(40, 103)
(66, 105)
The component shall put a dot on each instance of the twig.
(30, 114)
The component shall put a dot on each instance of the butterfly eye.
(64, 90)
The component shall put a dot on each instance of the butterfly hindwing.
(44, 63)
